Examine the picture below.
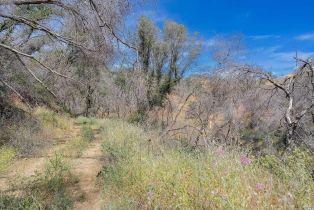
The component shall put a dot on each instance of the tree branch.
(16, 92)
(36, 78)
(38, 26)
(104, 24)
(267, 77)
(35, 2)
(34, 59)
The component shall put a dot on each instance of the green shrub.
(28, 202)
(56, 173)
(61, 201)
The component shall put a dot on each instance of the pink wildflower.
(245, 160)
(220, 151)
(260, 186)
(225, 173)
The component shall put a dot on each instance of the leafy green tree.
(165, 55)
(146, 38)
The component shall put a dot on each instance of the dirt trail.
(27, 167)
(86, 193)
(86, 168)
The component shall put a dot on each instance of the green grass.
(95, 124)
(51, 119)
(47, 190)
(148, 175)
(77, 146)
(87, 133)
(88, 127)
(7, 154)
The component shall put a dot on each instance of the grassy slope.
(147, 175)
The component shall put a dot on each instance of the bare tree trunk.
(88, 100)
(290, 126)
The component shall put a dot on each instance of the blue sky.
(272, 30)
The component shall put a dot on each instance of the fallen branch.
(16, 93)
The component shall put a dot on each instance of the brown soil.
(86, 168)
(86, 193)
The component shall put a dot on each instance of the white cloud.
(209, 42)
(288, 56)
(274, 59)
(305, 37)
(266, 36)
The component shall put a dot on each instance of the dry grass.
(147, 175)
(36, 131)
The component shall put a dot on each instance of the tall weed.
(144, 174)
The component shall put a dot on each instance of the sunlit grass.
(146, 175)
(76, 147)
(58, 124)
(7, 155)
(95, 124)
(47, 190)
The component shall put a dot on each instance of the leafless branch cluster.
(53, 35)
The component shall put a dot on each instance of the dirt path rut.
(87, 192)
(86, 168)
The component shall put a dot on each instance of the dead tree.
(88, 28)
(298, 100)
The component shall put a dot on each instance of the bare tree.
(298, 99)
(47, 34)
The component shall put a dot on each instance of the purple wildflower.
(245, 160)
(260, 186)
(220, 151)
